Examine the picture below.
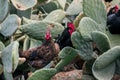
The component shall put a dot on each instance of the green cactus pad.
(4, 9)
(74, 8)
(35, 43)
(49, 7)
(15, 55)
(10, 57)
(107, 58)
(85, 48)
(43, 74)
(114, 39)
(96, 10)
(2, 46)
(115, 2)
(26, 13)
(102, 40)
(26, 44)
(56, 16)
(86, 26)
(104, 66)
(67, 55)
(23, 4)
(62, 3)
(28, 21)
(31, 43)
(78, 19)
(104, 74)
(10, 25)
(8, 76)
(37, 30)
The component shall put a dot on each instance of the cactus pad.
(42, 74)
(37, 30)
(102, 40)
(10, 25)
(4, 9)
(106, 64)
(85, 48)
(55, 16)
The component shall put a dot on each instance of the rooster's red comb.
(71, 27)
(116, 8)
(47, 34)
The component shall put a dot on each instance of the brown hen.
(42, 55)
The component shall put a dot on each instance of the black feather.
(113, 23)
(64, 39)
(108, 0)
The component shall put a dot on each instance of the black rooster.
(113, 23)
(65, 38)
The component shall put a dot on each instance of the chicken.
(65, 38)
(113, 23)
(42, 55)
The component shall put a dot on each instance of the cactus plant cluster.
(19, 32)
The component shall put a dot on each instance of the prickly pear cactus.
(35, 43)
(26, 13)
(28, 21)
(85, 48)
(86, 26)
(10, 60)
(43, 74)
(31, 43)
(49, 7)
(116, 2)
(26, 44)
(67, 55)
(95, 20)
(8, 76)
(10, 57)
(74, 8)
(37, 30)
(23, 4)
(114, 39)
(106, 64)
(2, 46)
(102, 40)
(4, 9)
(96, 10)
(62, 3)
(58, 14)
(78, 19)
(13, 21)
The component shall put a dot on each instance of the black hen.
(113, 23)
(65, 38)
